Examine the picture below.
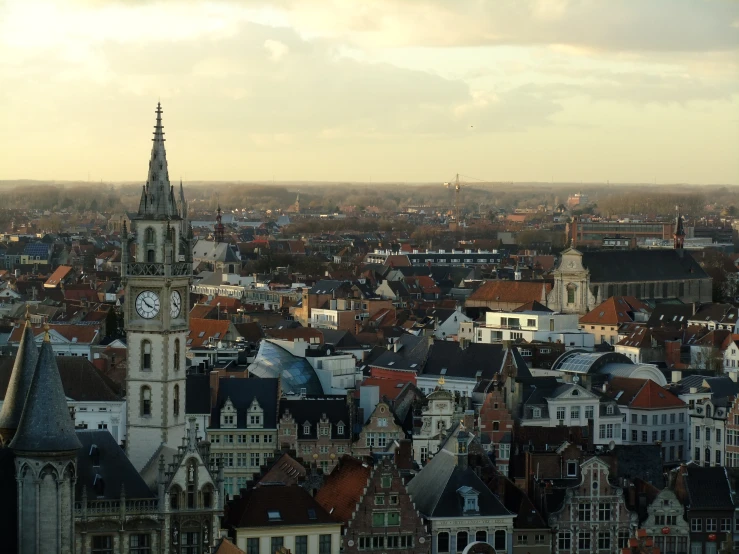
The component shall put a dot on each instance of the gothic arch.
(176, 354)
(145, 401)
(176, 400)
(145, 355)
(149, 235)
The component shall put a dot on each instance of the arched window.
(145, 355)
(442, 542)
(500, 540)
(708, 410)
(176, 354)
(176, 400)
(571, 288)
(461, 540)
(207, 496)
(149, 235)
(145, 401)
(174, 498)
(481, 536)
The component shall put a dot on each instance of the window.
(254, 459)
(176, 354)
(462, 540)
(145, 355)
(442, 542)
(252, 546)
(672, 434)
(176, 400)
(604, 511)
(571, 293)
(275, 543)
(697, 433)
(634, 436)
(708, 435)
(583, 511)
(672, 418)
(710, 525)
(340, 429)
(726, 525)
(604, 540)
(149, 235)
(696, 525)
(644, 436)
(609, 409)
(145, 401)
(522, 539)
(369, 440)
(571, 468)
(324, 430)
(718, 436)
(140, 544)
(387, 480)
(564, 540)
(379, 500)
(324, 544)
(190, 543)
(500, 541)
(301, 544)
(583, 540)
(257, 420)
(393, 499)
(560, 413)
(575, 412)
(102, 544)
(654, 436)
(254, 439)
(306, 429)
(588, 412)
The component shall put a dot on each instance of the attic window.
(601, 314)
(217, 336)
(274, 515)
(201, 334)
(414, 365)
(443, 371)
(312, 514)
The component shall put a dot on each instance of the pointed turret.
(679, 235)
(157, 198)
(45, 426)
(20, 382)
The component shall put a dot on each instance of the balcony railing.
(115, 507)
(140, 269)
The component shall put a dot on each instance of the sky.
(374, 90)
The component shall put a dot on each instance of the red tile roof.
(201, 330)
(343, 488)
(396, 260)
(85, 334)
(511, 291)
(58, 276)
(389, 387)
(614, 311)
(641, 393)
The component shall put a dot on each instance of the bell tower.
(157, 282)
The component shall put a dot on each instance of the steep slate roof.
(608, 266)
(285, 470)
(410, 356)
(670, 315)
(448, 358)
(708, 488)
(45, 425)
(643, 461)
(614, 310)
(295, 506)
(197, 394)
(311, 410)
(434, 489)
(242, 393)
(110, 464)
(510, 291)
(343, 488)
(19, 381)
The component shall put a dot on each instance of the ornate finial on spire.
(28, 312)
(47, 336)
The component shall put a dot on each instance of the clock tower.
(156, 270)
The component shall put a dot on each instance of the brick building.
(318, 429)
(374, 505)
(381, 429)
(496, 422)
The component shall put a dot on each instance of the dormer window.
(306, 428)
(536, 413)
(228, 415)
(609, 409)
(469, 499)
(255, 416)
(340, 429)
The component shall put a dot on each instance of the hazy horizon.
(551, 92)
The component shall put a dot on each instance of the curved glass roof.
(580, 361)
(296, 373)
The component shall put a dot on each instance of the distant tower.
(157, 284)
(297, 203)
(679, 235)
(219, 229)
(45, 447)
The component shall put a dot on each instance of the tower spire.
(679, 235)
(157, 198)
(219, 230)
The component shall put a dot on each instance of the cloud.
(276, 49)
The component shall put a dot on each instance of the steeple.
(157, 197)
(20, 382)
(679, 235)
(219, 230)
(45, 426)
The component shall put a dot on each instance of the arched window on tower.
(145, 355)
(176, 354)
(149, 235)
(145, 401)
(176, 400)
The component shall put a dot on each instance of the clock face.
(147, 304)
(175, 304)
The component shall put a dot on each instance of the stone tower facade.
(45, 447)
(157, 282)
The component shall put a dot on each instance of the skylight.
(312, 514)
(274, 515)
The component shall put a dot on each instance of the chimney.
(676, 376)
